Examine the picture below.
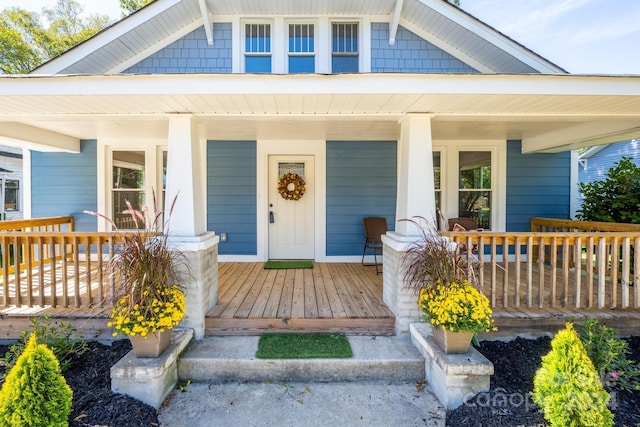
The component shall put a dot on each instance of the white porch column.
(416, 188)
(416, 197)
(185, 177)
(187, 225)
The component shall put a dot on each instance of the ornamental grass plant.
(148, 274)
(445, 281)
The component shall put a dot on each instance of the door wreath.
(291, 186)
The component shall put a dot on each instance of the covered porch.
(561, 272)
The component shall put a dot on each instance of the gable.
(163, 22)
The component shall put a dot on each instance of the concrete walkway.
(339, 404)
(380, 386)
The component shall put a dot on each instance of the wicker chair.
(464, 224)
(374, 228)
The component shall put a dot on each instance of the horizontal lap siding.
(66, 184)
(410, 54)
(231, 195)
(538, 185)
(598, 165)
(361, 182)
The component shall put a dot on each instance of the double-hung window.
(128, 186)
(257, 48)
(474, 186)
(344, 47)
(301, 48)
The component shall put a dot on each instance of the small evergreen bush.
(35, 393)
(615, 198)
(609, 356)
(567, 387)
(63, 340)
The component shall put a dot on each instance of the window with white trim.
(475, 186)
(127, 186)
(344, 47)
(302, 48)
(257, 48)
(11, 195)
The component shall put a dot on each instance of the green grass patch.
(303, 346)
(283, 265)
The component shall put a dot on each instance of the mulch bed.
(508, 403)
(94, 404)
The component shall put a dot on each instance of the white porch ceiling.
(549, 113)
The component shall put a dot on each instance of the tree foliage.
(26, 43)
(615, 198)
(130, 6)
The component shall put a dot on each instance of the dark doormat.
(284, 265)
(303, 346)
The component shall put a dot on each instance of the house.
(380, 107)
(11, 183)
(595, 162)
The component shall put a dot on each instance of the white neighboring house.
(11, 183)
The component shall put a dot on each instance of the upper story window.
(344, 47)
(301, 48)
(257, 48)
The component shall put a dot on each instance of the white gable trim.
(206, 21)
(491, 35)
(395, 20)
(472, 62)
(106, 36)
(156, 47)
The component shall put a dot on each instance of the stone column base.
(201, 281)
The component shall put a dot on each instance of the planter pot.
(452, 342)
(152, 345)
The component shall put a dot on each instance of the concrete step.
(232, 358)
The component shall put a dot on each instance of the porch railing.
(42, 225)
(530, 269)
(56, 269)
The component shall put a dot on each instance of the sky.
(581, 36)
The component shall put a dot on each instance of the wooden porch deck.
(330, 297)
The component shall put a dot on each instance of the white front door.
(291, 222)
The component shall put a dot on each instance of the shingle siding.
(361, 182)
(191, 54)
(66, 184)
(410, 54)
(231, 195)
(538, 185)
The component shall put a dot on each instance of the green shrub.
(609, 356)
(63, 340)
(567, 387)
(615, 198)
(35, 393)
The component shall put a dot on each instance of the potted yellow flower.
(445, 282)
(148, 299)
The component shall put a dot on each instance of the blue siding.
(599, 164)
(538, 185)
(410, 54)
(231, 195)
(361, 182)
(66, 184)
(191, 54)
